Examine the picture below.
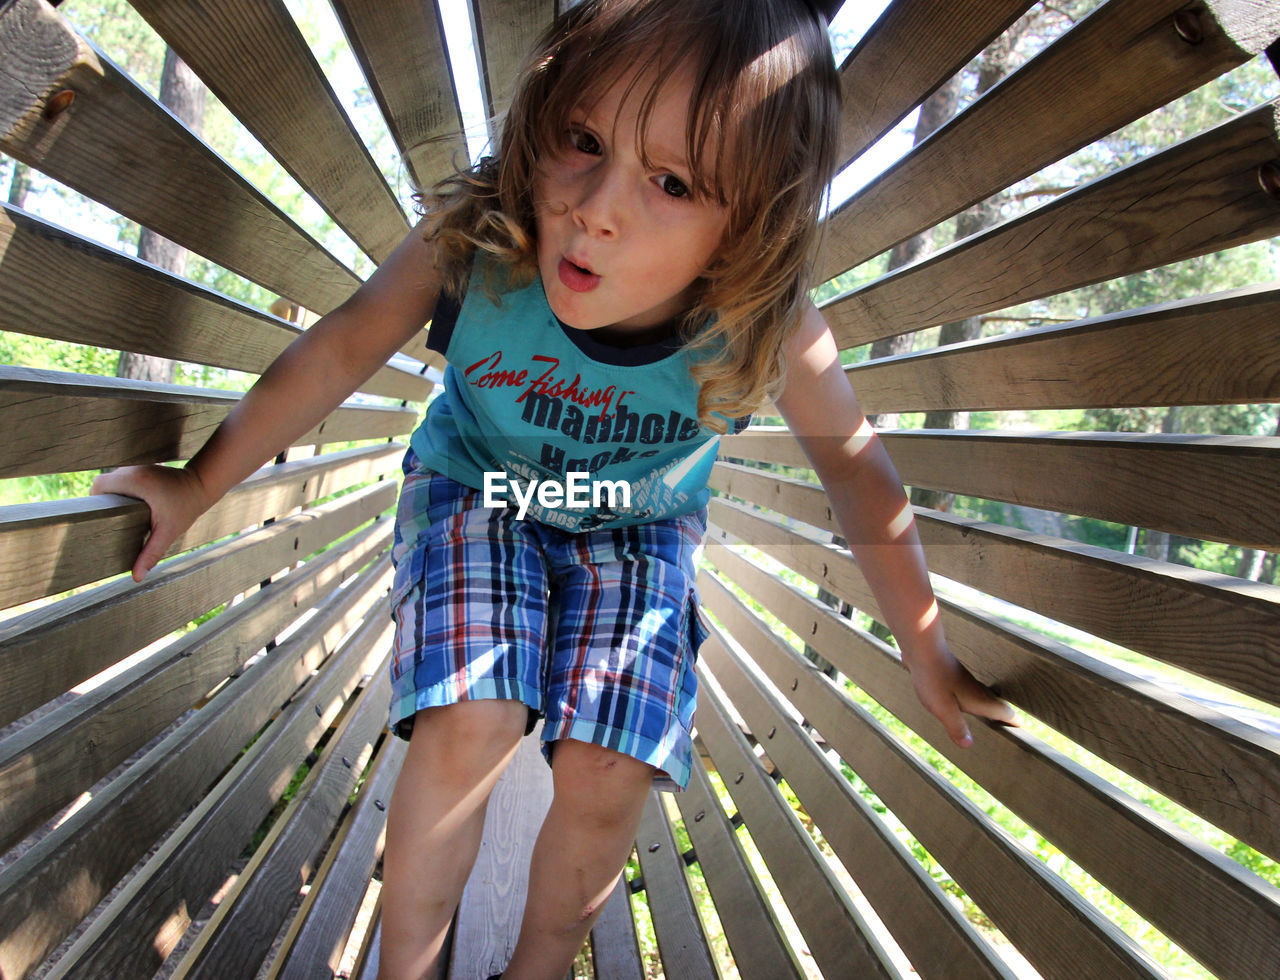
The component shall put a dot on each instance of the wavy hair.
(763, 112)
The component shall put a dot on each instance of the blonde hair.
(763, 112)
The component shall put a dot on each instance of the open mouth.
(576, 277)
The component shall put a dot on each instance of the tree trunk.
(19, 184)
(184, 95)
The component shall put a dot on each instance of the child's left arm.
(875, 516)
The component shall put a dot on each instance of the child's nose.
(601, 206)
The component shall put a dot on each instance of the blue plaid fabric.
(597, 631)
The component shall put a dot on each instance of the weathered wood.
(65, 422)
(53, 546)
(116, 144)
(1216, 487)
(754, 936)
(318, 932)
(488, 919)
(839, 938)
(1200, 196)
(63, 753)
(400, 47)
(107, 299)
(238, 936)
(505, 30)
(47, 891)
(1223, 628)
(1091, 363)
(1052, 926)
(140, 927)
(914, 47)
(252, 56)
(682, 944)
(615, 953)
(46, 651)
(1129, 848)
(1211, 762)
(1124, 60)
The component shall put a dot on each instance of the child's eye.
(584, 142)
(673, 186)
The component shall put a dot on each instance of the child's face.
(621, 244)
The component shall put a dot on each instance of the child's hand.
(176, 498)
(946, 688)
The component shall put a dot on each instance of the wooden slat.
(46, 892)
(107, 299)
(1052, 926)
(755, 939)
(615, 952)
(881, 84)
(1131, 850)
(1218, 350)
(140, 927)
(1200, 196)
(1123, 61)
(1224, 628)
(252, 56)
(1209, 761)
(48, 650)
(488, 919)
(50, 547)
(1221, 488)
(682, 944)
(319, 930)
(505, 30)
(839, 938)
(400, 47)
(238, 936)
(63, 753)
(62, 422)
(116, 144)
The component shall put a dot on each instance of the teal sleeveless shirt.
(527, 398)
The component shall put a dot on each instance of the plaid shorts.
(596, 631)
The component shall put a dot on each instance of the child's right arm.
(300, 388)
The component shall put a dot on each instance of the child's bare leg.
(435, 823)
(582, 847)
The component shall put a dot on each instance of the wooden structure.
(118, 855)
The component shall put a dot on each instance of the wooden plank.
(1200, 196)
(755, 938)
(615, 952)
(1130, 849)
(54, 546)
(400, 47)
(1091, 363)
(682, 943)
(505, 30)
(252, 56)
(1121, 62)
(48, 763)
(116, 144)
(1209, 761)
(839, 938)
(882, 85)
(1052, 926)
(1222, 488)
(318, 932)
(61, 422)
(46, 651)
(238, 937)
(487, 923)
(1223, 628)
(46, 892)
(140, 927)
(108, 299)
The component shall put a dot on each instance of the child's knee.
(605, 786)
(470, 739)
